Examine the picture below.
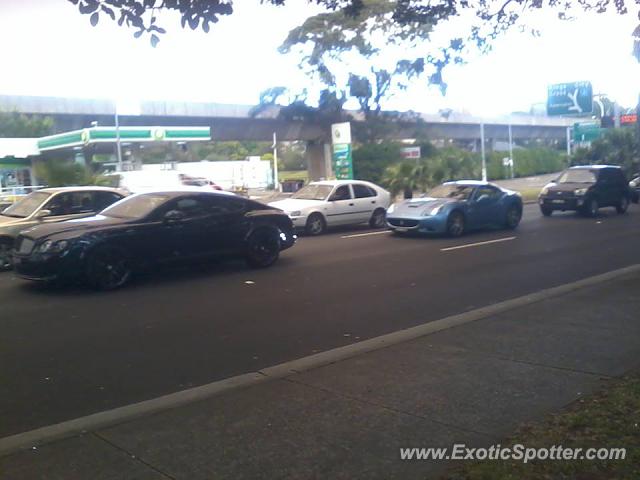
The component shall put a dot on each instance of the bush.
(56, 173)
(371, 160)
(526, 162)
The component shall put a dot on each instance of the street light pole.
(118, 147)
(510, 148)
(276, 183)
(484, 160)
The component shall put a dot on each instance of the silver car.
(50, 205)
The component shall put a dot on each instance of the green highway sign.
(574, 98)
(586, 132)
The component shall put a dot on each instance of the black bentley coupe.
(150, 229)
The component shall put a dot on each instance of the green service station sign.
(342, 156)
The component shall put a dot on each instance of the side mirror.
(43, 214)
(173, 216)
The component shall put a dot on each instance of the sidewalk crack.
(132, 456)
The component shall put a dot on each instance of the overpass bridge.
(242, 122)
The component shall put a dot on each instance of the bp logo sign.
(85, 136)
(159, 134)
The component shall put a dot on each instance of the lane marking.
(365, 234)
(128, 413)
(506, 239)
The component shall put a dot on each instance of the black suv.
(586, 189)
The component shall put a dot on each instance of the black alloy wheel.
(108, 269)
(263, 248)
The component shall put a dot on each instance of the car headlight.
(391, 208)
(580, 191)
(544, 191)
(51, 246)
(432, 211)
(296, 213)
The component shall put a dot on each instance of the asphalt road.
(66, 353)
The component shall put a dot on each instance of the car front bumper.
(45, 268)
(432, 224)
(565, 203)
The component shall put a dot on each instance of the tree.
(371, 160)
(352, 21)
(618, 146)
(14, 124)
(60, 173)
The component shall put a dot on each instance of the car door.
(606, 188)
(186, 222)
(227, 224)
(484, 207)
(340, 208)
(365, 200)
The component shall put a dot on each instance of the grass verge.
(608, 419)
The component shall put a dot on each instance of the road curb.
(130, 412)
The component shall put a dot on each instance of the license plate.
(557, 201)
(402, 229)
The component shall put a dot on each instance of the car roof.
(174, 192)
(339, 182)
(471, 183)
(79, 189)
(593, 167)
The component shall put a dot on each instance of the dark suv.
(586, 189)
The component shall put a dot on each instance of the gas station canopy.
(97, 135)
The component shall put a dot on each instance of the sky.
(50, 49)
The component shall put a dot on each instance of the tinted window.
(341, 193)
(362, 191)
(70, 203)
(190, 206)
(137, 206)
(222, 205)
(103, 199)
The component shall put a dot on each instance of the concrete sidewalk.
(471, 384)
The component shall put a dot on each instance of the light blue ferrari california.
(455, 207)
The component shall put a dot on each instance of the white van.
(140, 181)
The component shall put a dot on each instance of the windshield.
(138, 206)
(27, 206)
(578, 175)
(313, 192)
(458, 192)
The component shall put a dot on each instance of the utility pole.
(484, 160)
(276, 183)
(510, 148)
(568, 141)
(118, 147)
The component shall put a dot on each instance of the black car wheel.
(546, 211)
(263, 248)
(6, 252)
(315, 224)
(108, 269)
(377, 219)
(455, 224)
(623, 205)
(591, 208)
(514, 215)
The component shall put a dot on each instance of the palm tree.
(406, 177)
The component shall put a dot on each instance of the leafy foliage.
(58, 173)
(371, 160)
(618, 146)
(526, 162)
(14, 124)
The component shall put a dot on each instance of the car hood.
(567, 187)
(7, 221)
(73, 228)
(294, 204)
(416, 206)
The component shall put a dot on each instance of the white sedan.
(336, 202)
